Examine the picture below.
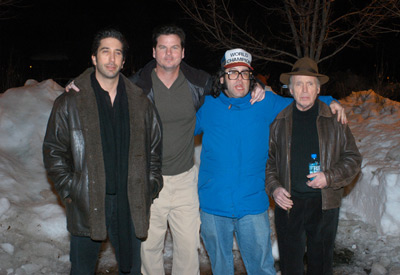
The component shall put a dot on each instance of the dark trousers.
(306, 225)
(84, 251)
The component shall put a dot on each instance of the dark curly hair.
(218, 86)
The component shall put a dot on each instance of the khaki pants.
(178, 207)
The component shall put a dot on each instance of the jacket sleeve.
(57, 155)
(209, 86)
(198, 129)
(327, 99)
(156, 179)
(278, 102)
(272, 172)
(348, 166)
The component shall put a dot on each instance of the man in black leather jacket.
(178, 91)
(102, 150)
(308, 200)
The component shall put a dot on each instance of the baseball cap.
(236, 57)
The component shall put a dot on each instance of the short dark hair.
(166, 30)
(219, 87)
(109, 33)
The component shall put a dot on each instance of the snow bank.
(375, 197)
(33, 235)
(32, 223)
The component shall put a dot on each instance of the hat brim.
(284, 78)
(230, 65)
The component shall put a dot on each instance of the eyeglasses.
(232, 75)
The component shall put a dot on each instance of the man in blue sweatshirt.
(234, 153)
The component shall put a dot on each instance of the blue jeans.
(253, 238)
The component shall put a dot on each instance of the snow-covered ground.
(33, 238)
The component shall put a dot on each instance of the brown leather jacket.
(73, 158)
(339, 155)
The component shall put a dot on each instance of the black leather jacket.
(73, 158)
(339, 155)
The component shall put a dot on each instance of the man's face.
(109, 59)
(168, 52)
(239, 87)
(305, 90)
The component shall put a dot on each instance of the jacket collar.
(324, 110)
(194, 76)
(84, 84)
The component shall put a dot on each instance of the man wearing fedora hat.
(234, 153)
(307, 204)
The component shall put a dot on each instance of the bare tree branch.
(290, 29)
(6, 6)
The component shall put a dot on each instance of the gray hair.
(290, 85)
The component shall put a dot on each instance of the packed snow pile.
(375, 198)
(32, 222)
(33, 236)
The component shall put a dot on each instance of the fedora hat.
(304, 66)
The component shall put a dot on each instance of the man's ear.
(94, 60)
(221, 80)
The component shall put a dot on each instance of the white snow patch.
(32, 222)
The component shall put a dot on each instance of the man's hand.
(318, 182)
(282, 198)
(72, 85)
(336, 107)
(257, 94)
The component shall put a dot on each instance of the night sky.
(64, 29)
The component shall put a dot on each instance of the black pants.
(84, 251)
(306, 225)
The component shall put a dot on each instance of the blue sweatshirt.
(234, 152)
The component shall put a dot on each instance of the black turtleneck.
(304, 143)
